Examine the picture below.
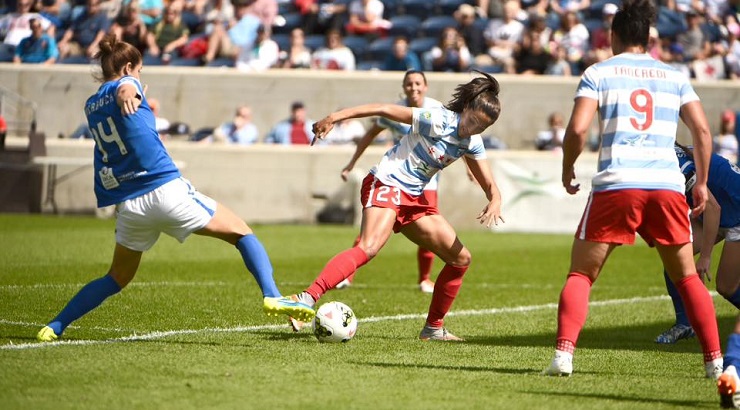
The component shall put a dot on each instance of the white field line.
(239, 329)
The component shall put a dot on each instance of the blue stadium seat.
(292, 20)
(282, 40)
(222, 62)
(593, 23)
(380, 49)
(433, 26)
(419, 8)
(405, 25)
(422, 45)
(314, 41)
(594, 10)
(448, 7)
(358, 45)
(186, 62)
(390, 9)
(75, 60)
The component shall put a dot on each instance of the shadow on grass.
(637, 338)
(447, 368)
(622, 398)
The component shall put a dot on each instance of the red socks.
(572, 310)
(336, 270)
(445, 291)
(425, 258)
(700, 310)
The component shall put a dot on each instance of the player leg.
(122, 271)
(425, 257)
(728, 382)
(682, 328)
(376, 228)
(433, 232)
(728, 271)
(587, 260)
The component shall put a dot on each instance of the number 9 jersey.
(639, 100)
(130, 159)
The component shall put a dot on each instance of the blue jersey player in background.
(134, 172)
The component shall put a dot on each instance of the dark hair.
(632, 22)
(410, 72)
(114, 55)
(480, 94)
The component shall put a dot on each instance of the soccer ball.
(334, 322)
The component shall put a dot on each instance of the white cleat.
(727, 386)
(343, 284)
(714, 368)
(562, 365)
(426, 286)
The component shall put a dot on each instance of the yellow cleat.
(288, 306)
(46, 334)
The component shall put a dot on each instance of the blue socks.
(732, 355)
(681, 318)
(87, 299)
(258, 263)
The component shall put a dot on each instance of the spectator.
(262, 56)
(218, 12)
(296, 130)
(335, 56)
(194, 13)
(552, 137)
(655, 46)
(265, 10)
(17, 26)
(366, 17)
(51, 10)
(3, 131)
(601, 38)
(536, 7)
(572, 37)
(85, 32)
(151, 11)
(491, 9)
(560, 8)
(694, 42)
(129, 27)
(503, 36)
(732, 58)
(451, 53)
(226, 42)
(725, 143)
(38, 48)
(531, 57)
(167, 37)
(559, 65)
(401, 58)
(241, 130)
(297, 55)
(320, 16)
(465, 16)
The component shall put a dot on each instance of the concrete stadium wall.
(205, 97)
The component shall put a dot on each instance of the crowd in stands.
(547, 37)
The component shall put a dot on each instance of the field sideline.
(189, 331)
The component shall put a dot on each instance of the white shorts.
(175, 208)
(730, 234)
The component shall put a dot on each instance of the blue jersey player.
(134, 172)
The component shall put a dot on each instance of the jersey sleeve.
(588, 87)
(687, 93)
(131, 80)
(476, 149)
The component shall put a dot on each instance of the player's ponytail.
(113, 55)
(480, 94)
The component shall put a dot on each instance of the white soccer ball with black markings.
(334, 322)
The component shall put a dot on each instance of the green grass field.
(189, 332)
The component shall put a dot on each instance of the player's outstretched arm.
(128, 98)
(693, 116)
(491, 214)
(575, 138)
(362, 145)
(391, 111)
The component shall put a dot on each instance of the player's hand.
(568, 176)
(322, 128)
(345, 172)
(702, 267)
(491, 214)
(699, 195)
(130, 104)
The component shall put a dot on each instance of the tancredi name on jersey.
(639, 72)
(95, 105)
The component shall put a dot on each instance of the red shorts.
(408, 207)
(659, 216)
